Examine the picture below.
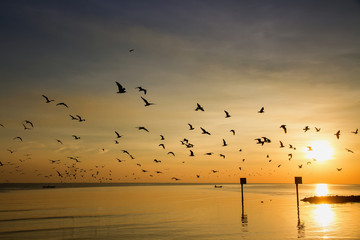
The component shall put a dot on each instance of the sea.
(176, 211)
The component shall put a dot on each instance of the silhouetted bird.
(259, 141)
(224, 143)
(222, 155)
(204, 131)
(309, 148)
(2, 125)
(121, 89)
(279, 165)
(76, 137)
(300, 166)
(118, 135)
(18, 138)
(80, 119)
(142, 90)
(306, 128)
(143, 128)
(47, 99)
(162, 145)
(25, 127)
(176, 179)
(281, 144)
(317, 129)
(227, 115)
(162, 137)
(337, 134)
(214, 171)
(62, 104)
(356, 131)
(209, 153)
(172, 153)
(59, 141)
(29, 122)
(261, 110)
(290, 156)
(339, 169)
(191, 127)
(233, 131)
(199, 107)
(131, 50)
(284, 128)
(191, 153)
(11, 151)
(73, 118)
(198, 176)
(146, 102)
(349, 150)
(157, 161)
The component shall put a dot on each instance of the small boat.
(218, 186)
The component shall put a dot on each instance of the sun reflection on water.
(323, 214)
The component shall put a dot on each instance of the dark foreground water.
(176, 212)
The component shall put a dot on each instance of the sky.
(300, 60)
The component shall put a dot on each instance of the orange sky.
(298, 65)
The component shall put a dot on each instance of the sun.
(319, 150)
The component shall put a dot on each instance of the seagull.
(204, 131)
(172, 153)
(227, 115)
(284, 127)
(214, 171)
(176, 179)
(339, 169)
(162, 145)
(119, 160)
(306, 129)
(222, 155)
(18, 138)
(28, 122)
(80, 119)
(281, 144)
(209, 153)
(146, 102)
(191, 127)
(141, 89)
(308, 163)
(131, 50)
(191, 153)
(121, 89)
(47, 99)
(118, 135)
(59, 141)
(63, 104)
(143, 128)
(279, 165)
(199, 107)
(261, 110)
(290, 156)
(300, 166)
(233, 131)
(224, 143)
(356, 131)
(337, 134)
(76, 137)
(162, 137)
(317, 129)
(157, 161)
(349, 150)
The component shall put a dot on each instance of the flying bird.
(18, 138)
(224, 143)
(121, 89)
(261, 110)
(339, 169)
(317, 129)
(73, 118)
(191, 127)
(284, 128)
(337, 134)
(300, 166)
(309, 148)
(80, 119)
(47, 99)
(76, 137)
(162, 137)
(2, 125)
(222, 155)
(131, 50)
(143, 128)
(146, 102)
(349, 150)
(162, 145)
(172, 153)
(176, 179)
(25, 127)
(62, 104)
(118, 135)
(191, 153)
(59, 141)
(306, 128)
(29, 122)
(141, 90)
(281, 144)
(356, 131)
(204, 131)
(199, 107)
(233, 131)
(227, 115)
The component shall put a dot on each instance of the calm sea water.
(176, 212)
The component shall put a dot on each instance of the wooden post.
(298, 180)
(242, 182)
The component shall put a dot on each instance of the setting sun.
(319, 150)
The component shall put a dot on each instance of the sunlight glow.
(321, 189)
(323, 214)
(320, 150)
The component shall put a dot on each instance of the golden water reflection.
(323, 214)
